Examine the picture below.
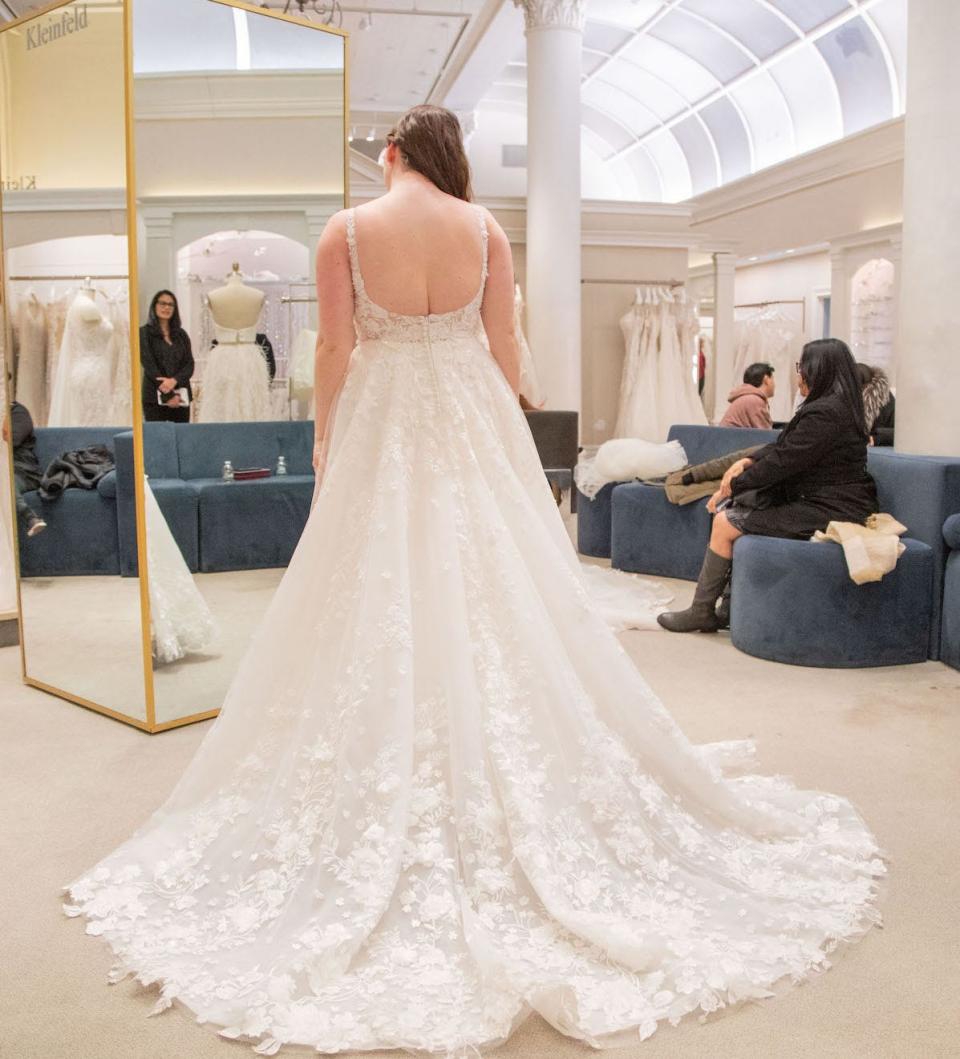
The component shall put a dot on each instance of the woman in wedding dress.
(439, 794)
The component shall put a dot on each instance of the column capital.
(725, 261)
(552, 14)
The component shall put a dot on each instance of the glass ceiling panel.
(768, 117)
(891, 19)
(615, 135)
(603, 37)
(662, 98)
(592, 61)
(854, 56)
(696, 146)
(759, 29)
(618, 104)
(808, 14)
(674, 67)
(669, 158)
(209, 42)
(279, 45)
(807, 82)
(638, 173)
(709, 47)
(729, 134)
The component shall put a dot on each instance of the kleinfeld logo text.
(54, 28)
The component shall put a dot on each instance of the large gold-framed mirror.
(230, 132)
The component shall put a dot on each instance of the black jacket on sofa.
(80, 469)
(820, 459)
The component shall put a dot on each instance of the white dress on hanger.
(31, 366)
(236, 381)
(122, 391)
(439, 793)
(8, 570)
(181, 621)
(83, 386)
(771, 337)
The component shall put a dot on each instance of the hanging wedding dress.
(83, 385)
(530, 388)
(439, 793)
(658, 386)
(31, 368)
(236, 380)
(8, 570)
(121, 402)
(181, 622)
(770, 337)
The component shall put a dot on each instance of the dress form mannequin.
(235, 305)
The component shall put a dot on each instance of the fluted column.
(840, 280)
(928, 375)
(554, 42)
(719, 378)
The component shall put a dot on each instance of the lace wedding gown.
(236, 380)
(83, 382)
(181, 622)
(439, 793)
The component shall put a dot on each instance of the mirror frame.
(149, 725)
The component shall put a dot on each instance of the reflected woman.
(167, 361)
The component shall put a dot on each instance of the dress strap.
(352, 248)
(484, 239)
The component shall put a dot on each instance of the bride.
(439, 794)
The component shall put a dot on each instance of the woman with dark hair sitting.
(814, 473)
(167, 361)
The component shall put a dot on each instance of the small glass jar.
(227, 473)
(281, 465)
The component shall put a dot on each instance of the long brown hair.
(430, 142)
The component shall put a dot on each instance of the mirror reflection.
(240, 152)
(62, 165)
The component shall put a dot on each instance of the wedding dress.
(439, 793)
(8, 568)
(181, 621)
(236, 380)
(83, 384)
(31, 332)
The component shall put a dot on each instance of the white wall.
(805, 277)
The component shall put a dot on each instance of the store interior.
(688, 187)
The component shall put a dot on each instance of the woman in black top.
(814, 473)
(167, 361)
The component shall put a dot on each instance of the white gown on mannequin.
(236, 380)
(181, 620)
(32, 357)
(439, 793)
(83, 385)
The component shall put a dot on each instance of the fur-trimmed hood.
(876, 393)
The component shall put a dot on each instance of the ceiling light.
(789, 251)
(754, 258)
(350, 136)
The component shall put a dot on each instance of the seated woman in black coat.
(814, 473)
(167, 361)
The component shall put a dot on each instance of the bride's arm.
(497, 310)
(336, 336)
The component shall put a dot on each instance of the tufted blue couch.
(221, 525)
(640, 530)
(950, 626)
(81, 533)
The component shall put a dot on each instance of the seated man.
(750, 403)
(18, 432)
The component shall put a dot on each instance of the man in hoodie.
(750, 403)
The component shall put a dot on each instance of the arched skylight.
(680, 96)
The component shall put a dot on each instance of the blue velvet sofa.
(950, 623)
(222, 525)
(81, 533)
(640, 530)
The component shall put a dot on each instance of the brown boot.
(701, 615)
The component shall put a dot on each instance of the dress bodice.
(235, 336)
(375, 323)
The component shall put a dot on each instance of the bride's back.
(420, 251)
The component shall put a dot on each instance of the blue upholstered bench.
(950, 623)
(81, 533)
(640, 530)
(794, 602)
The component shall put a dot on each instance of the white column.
(839, 294)
(928, 375)
(157, 260)
(719, 379)
(554, 59)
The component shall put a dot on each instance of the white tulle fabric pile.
(624, 459)
(440, 795)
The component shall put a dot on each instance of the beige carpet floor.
(74, 784)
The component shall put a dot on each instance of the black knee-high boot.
(701, 615)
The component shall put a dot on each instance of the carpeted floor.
(74, 784)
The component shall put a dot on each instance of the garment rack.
(780, 301)
(79, 279)
(285, 299)
(640, 282)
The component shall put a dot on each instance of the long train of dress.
(440, 794)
